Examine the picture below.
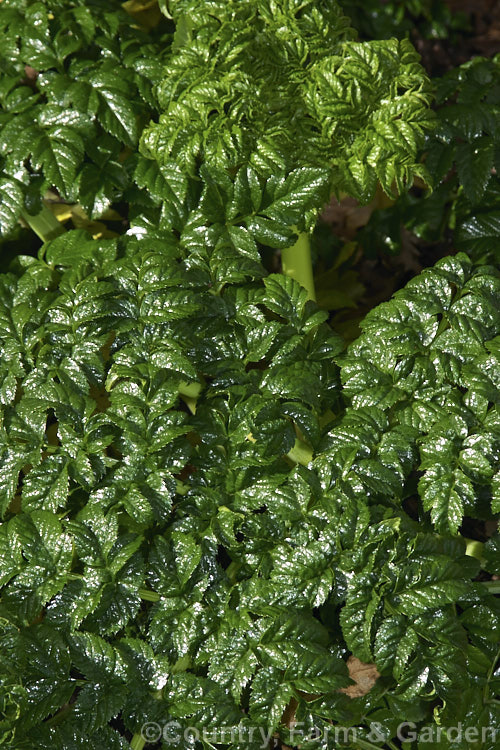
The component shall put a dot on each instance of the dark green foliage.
(463, 156)
(163, 564)
(338, 115)
(77, 84)
(469, 121)
(334, 115)
(360, 108)
(430, 357)
(209, 510)
(431, 19)
(477, 153)
(96, 360)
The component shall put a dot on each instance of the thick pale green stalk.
(137, 742)
(493, 587)
(149, 596)
(486, 690)
(301, 453)
(296, 262)
(474, 548)
(44, 224)
(189, 393)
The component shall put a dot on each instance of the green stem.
(474, 548)
(137, 742)
(232, 569)
(181, 488)
(493, 587)
(44, 224)
(146, 594)
(301, 453)
(182, 663)
(296, 262)
(149, 596)
(59, 716)
(486, 690)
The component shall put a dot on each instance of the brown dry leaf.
(30, 75)
(288, 717)
(364, 675)
(490, 528)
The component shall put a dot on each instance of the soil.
(482, 38)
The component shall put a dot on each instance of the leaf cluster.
(208, 506)
(288, 86)
(165, 558)
(431, 19)
(463, 155)
(77, 84)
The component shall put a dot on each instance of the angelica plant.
(216, 565)
(212, 513)
(270, 107)
(260, 111)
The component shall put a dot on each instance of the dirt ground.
(483, 39)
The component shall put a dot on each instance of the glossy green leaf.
(479, 232)
(474, 164)
(59, 152)
(11, 203)
(212, 511)
(46, 486)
